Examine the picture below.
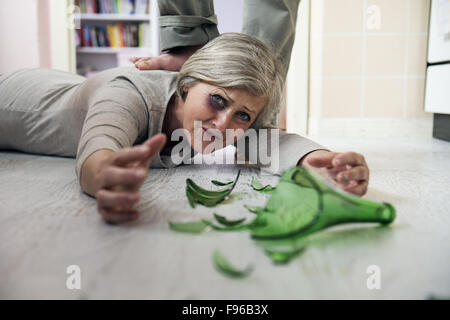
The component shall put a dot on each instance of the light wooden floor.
(47, 224)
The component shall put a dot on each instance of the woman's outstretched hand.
(120, 178)
(347, 170)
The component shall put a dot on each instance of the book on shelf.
(113, 6)
(117, 35)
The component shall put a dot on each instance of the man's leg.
(186, 23)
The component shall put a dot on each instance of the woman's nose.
(222, 120)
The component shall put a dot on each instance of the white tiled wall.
(368, 60)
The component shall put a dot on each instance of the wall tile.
(383, 98)
(385, 55)
(342, 55)
(341, 98)
(343, 16)
(417, 55)
(393, 15)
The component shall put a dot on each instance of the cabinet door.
(439, 35)
(437, 95)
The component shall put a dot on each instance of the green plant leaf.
(226, 268)
(219, 183)
(188, 227)
(208, 198)
(282, 257)
(257, 186)
(230, 223)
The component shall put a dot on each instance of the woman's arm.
(109, 166)
(91, 169)
(289, 149)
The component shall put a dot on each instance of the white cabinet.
(437, 95)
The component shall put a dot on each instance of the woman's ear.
(185, 92)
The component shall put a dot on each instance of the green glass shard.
(257, 186)
(282, 256)
(221, 184)
(208, 198)
(254, 209)
(229, 223)
(226, 268)
(189, 227)
(239, 227)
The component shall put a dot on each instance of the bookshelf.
(111, 32)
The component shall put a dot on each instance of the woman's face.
(218, 109)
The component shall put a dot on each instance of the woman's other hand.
(120, 178)
(347, 170)
(172, 61)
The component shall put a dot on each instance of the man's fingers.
(349, 158)
(355, 173)
(322, 160)
(115, 199)
(122, 177)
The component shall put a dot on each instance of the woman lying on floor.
(117, 121)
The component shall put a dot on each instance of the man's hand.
(172, 61)
(348, 170)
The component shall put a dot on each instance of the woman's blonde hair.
(237, 61)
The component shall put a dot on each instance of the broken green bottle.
(302, 203)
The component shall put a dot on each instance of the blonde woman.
(116, 122)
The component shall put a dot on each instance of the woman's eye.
(218, 100)
(244, 116)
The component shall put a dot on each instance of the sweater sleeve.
(117, 117)
(274, 150)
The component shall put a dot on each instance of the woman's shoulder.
(149, 77)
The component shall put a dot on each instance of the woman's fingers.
(125, 156)
(128, 178)
(349, 158)
(356, 173)
(117, 206)
(358, 189)
(155, 144)
(319, 160)
(118, 216)
(116, 199)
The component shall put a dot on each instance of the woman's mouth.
(208, 134)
